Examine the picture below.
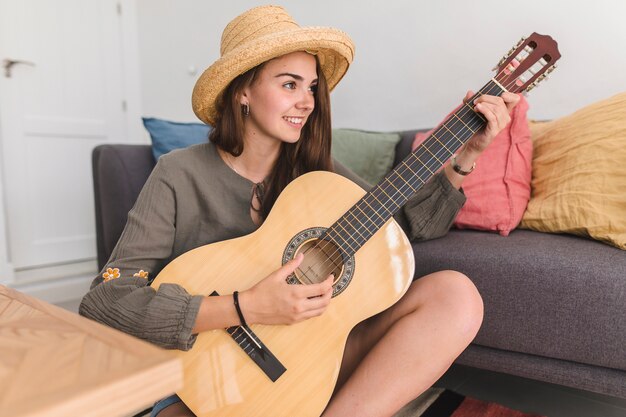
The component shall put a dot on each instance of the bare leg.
(396, 355)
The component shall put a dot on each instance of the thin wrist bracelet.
(239, 313)
(457, 168)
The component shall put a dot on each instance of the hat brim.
(333, 48)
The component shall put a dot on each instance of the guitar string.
(402, 188)
(376, 211)
(464, 112)
(405, 183)
(360, 219)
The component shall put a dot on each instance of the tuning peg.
(500, 63)
(508, 54)
(531, 86)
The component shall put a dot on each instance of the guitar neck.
(371, 212)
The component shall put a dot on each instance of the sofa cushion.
(498, 189)
(370, 155)
(579, 179)
(558, 296)
(167, 136)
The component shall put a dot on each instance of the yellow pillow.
(579, 173)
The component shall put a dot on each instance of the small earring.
(245, 109)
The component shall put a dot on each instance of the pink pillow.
(498, 189)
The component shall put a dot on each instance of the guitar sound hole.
(321, 258)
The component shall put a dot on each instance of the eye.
(313, 88)
(290, 85)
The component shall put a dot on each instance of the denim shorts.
(165, 402)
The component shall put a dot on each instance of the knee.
(461, 300)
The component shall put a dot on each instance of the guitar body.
(220, 378)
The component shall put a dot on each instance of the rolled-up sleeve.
(164, 317)
(120, 296)
(430, 213)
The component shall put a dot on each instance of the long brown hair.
(310, 153)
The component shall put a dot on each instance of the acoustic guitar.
(291, 370)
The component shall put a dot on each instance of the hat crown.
(255, 23)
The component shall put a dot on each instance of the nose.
(306, 101)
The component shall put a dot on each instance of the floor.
(518, 393)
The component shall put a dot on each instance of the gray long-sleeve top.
(192, 198)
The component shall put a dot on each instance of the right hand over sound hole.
(273, 301)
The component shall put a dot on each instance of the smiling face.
(281, 98)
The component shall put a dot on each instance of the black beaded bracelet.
(239, 313)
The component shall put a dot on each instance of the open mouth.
(294, 121)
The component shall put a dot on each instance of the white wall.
(414, 59)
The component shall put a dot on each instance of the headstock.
(527, 63)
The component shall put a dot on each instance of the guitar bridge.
(256, 350)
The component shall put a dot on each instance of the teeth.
(295, 120)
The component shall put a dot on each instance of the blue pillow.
(167, 136)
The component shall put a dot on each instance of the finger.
(497, 116)
(486, 98)
(312, 313)
(318, 302)
(468, 95)
(510, 100)
(487, 111)
(506, 100)
(315, 290)
(290, 266)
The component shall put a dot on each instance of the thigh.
(430, 288)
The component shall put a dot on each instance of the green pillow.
(368, 154)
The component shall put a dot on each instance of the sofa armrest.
(119, 173)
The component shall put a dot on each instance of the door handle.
(8, 63)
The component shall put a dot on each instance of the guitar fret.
(413, 172)
(349, 234)
(453, 135)
(337, 240)
(354, 237)
(442, 144)
(407, 183)
(367, 220)
(387, 179)
(368, 217)
(381, 189)
(465, 124)
(355, 229)
(429, 151)
(358, 220)
(480, 116)
(425, 165)
(375, 211)
(376, 198)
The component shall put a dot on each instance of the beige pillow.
(579, 173)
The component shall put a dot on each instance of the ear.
(243, 97)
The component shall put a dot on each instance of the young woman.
(268, 100)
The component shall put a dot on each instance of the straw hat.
(258, 35)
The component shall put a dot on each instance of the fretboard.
(372, 211)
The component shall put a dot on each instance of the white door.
(66, 98)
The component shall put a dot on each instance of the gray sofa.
(555, 305)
